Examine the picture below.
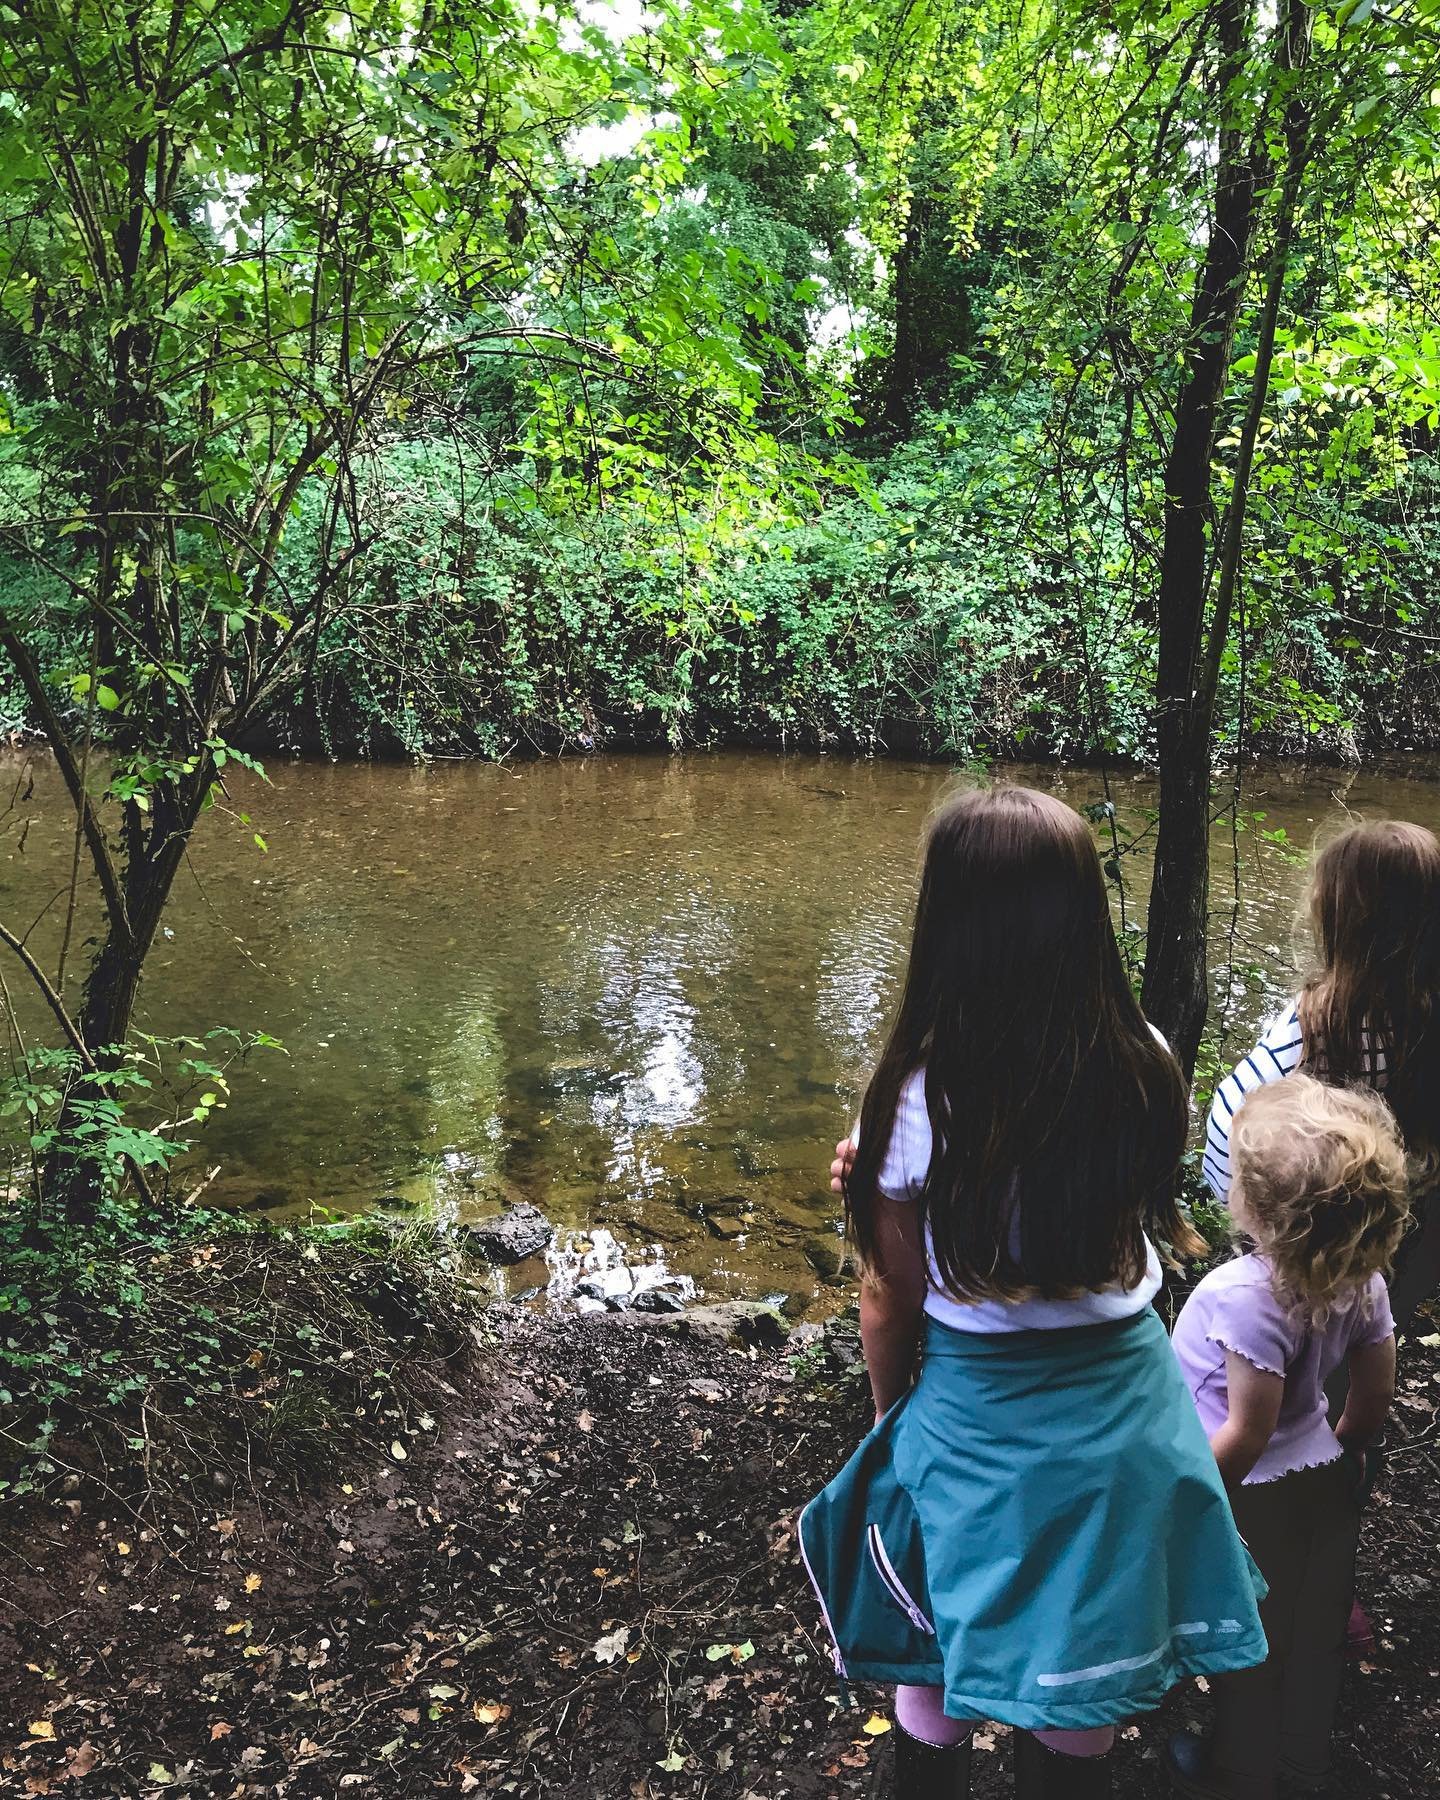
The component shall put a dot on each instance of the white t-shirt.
(902, 1176)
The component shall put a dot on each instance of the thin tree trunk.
(1175, 987)
(1176, 976)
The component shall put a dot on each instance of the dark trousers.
(1417, 1266)
(1416, 1280)
(1302, 1530)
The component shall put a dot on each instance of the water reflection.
(639, 991)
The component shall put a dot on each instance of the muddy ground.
(580, 1581)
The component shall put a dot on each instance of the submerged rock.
(521, 1231)
(728, 1217)
(725, 1226)
(830, 1257)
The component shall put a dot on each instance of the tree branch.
(59, 741)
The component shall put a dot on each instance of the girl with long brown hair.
(1035, 1530)
(1369, 1015)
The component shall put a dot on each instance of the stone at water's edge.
(520, 1232)
(657, 1300)
(729, 1322)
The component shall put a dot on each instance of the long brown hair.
(1056, 1115)
(1372, 1012)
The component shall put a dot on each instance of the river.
(641, 991)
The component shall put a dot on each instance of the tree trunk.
(1175, 988)
(112, 984)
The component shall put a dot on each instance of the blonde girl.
(1318, 1182)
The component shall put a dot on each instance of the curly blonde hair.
(1320, 1184)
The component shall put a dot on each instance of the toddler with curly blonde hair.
(1319, 1185)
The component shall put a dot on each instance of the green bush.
(945, 610)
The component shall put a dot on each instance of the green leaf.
(106, 698)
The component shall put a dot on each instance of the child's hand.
(842, 1165)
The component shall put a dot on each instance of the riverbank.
(575, 1575)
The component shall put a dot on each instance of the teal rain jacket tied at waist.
(1039, 1528)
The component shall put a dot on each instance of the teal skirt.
(1039, 1528)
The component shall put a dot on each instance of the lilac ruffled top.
(1236, 1308)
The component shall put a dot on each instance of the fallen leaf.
(586, 1422)
(159, 1773)
(252, 1583)
(220, 1729)
(398, 1450)
(612, 1645)
(81, 1760)
(123, 1548)
(489, 1712)
(672, 1764)
(875, 1726)
(41, 1728)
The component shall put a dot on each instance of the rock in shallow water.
(605, 1284)
(658, 1300)
(726, 1226)
(520, 1232)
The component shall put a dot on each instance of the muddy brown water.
(640, 991)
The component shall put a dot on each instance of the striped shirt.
(1278, 1054)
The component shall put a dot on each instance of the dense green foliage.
(941, 611)
(442, 377)
(579, 499)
